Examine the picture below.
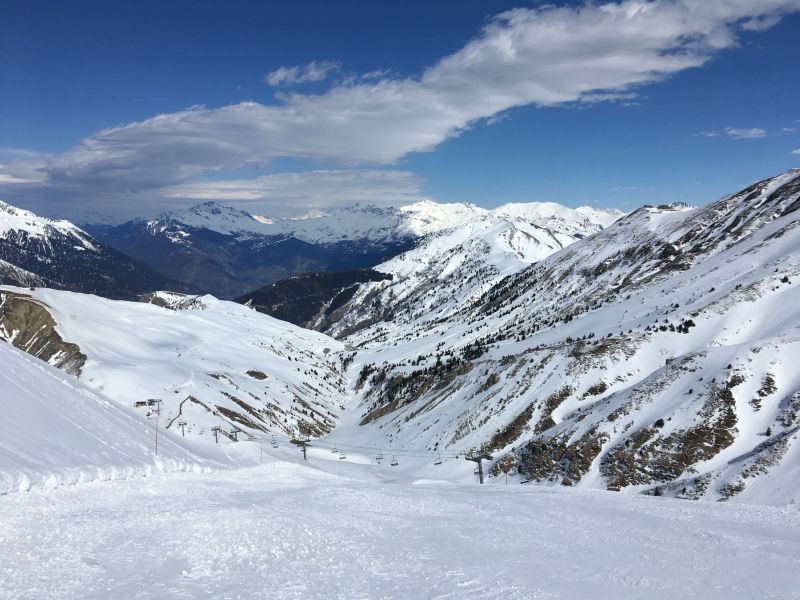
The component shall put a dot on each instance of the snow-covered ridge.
(19, 221)
(375, 224)
(653, 356)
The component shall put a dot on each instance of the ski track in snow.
(286, 530)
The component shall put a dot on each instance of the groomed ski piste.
(90, 511)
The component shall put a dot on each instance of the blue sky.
(283, 108)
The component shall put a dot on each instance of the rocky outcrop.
(27, 324)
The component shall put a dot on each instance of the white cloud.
(313, 71)
(15, 180)
(743, 134)
(310, 189)
(796, 151)
(543, 56)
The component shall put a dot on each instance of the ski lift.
(438, 460)
(274, 442)
(379, 458)
(342, 456)
(335, 450)
(395, 462)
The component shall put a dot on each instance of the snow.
(378, 225)
(740, 286)
(18, 275)
(56, 431)
(287, 530)
(222, 354)
(16, 220)
(89, 511)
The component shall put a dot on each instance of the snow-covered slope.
(38, 251)
(287, 531)
(13, 275)
(446, 273)
(211, 363)
(55, 431)
(579, 222)
(372, 224)
(656, 355)
(18, 222)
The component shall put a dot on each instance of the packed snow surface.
(336, 529)
(56, 431)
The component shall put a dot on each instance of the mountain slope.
(310, 300)
(39, 251)
(228, 252)
(490, 244)
(212, 363)
(57, 431)
(652, 356)
(446, 274)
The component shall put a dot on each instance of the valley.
(650, 357)
(400, 301)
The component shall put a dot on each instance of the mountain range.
(655, 356)
(228, 252)
(35, 251)
(649, 353)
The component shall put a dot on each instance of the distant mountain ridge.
(375, 224)
(36, 251)
(229, 252)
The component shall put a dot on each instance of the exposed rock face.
(28, 325)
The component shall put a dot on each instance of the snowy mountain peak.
(381, 224)
(216, 216)
(13, 219)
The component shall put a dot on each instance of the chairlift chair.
(335, 450)
(438, 460)
(395, 462)
(379, 458)
(342, 456)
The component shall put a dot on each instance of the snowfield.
(657, 357)
(211, 362)
(56, 431)
(286, 531)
